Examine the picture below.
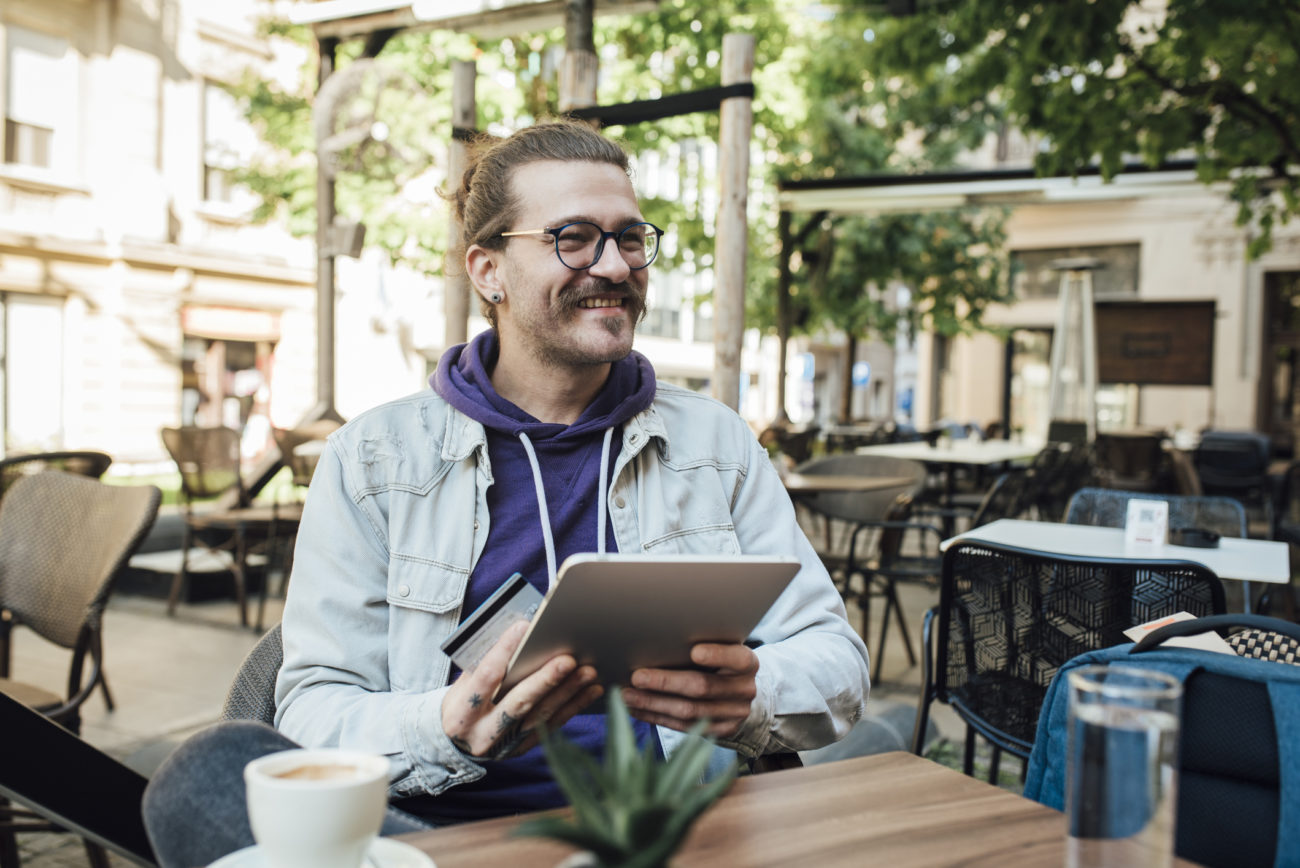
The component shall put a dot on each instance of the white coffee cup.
(316, 807)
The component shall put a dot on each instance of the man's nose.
(611, 265)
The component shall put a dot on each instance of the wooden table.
(893, 809)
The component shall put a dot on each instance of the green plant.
(635, 810)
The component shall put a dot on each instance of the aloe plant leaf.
(620, 741)
(687, 763)
(579, 778)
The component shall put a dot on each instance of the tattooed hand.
(483, 729)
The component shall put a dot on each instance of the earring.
(496, 298)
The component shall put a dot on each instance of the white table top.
(1249, 560)
(964, 451)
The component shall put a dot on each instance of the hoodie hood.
(463, 379)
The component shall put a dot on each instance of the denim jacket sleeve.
(334, 687)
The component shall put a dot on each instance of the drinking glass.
(1122, 767)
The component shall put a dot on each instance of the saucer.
(383, 853)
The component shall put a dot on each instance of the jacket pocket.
(424, 598)
(717, 539)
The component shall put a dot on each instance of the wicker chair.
(209, 464)
(63, 540)
(84, 463)
(1010, 617)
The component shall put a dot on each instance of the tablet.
(621, 612)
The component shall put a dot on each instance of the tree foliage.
(823, 107)
(1107, 81)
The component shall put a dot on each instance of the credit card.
(514, 601)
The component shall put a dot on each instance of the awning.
(893, 193)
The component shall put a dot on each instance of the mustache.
(635, 300)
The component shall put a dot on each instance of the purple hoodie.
(568, 469)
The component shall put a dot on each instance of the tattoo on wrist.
(506, 722)
(475, 701)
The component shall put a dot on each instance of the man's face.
(558, 315)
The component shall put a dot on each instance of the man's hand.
(483, 729)
(677, 698)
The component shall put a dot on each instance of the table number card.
(1147, 525)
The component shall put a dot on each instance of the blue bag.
(1239, 758)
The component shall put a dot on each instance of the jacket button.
(404, 590)
(620, 502)
(476, 524)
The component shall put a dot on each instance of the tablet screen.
(624, 612)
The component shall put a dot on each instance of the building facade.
(136, 293)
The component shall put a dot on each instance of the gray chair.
(863, 534)
(843, 512)
(252, 694)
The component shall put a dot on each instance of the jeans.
(194, 806)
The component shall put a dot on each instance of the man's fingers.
(734, 659)
(492, 668)
(549, 706)
(696, 685)
(685, 708)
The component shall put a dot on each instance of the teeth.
(601, 302)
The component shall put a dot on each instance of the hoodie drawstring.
(545, 514)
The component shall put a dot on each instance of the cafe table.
(1241, 559)
(894, 809)
(840, 483)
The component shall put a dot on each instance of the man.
(545, 436)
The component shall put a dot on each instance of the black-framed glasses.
(579, 245)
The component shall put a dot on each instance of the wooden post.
(464, 116)
(732, 242)
(783, 312)
(578, 72)
(325, 260)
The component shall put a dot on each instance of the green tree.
(821, 109)
(1109, 80)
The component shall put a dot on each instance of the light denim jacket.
(397, 517)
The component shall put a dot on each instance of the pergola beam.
(350, 19)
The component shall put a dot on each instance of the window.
(228, 143)
(31, 373)
(40, 113)
(1033, 275)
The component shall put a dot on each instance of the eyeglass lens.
(579, 245)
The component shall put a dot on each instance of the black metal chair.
(63, 540)
(1009, 617)
(1108, 507)
(906, 551)
(1235, 464)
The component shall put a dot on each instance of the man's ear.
(481, 268)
